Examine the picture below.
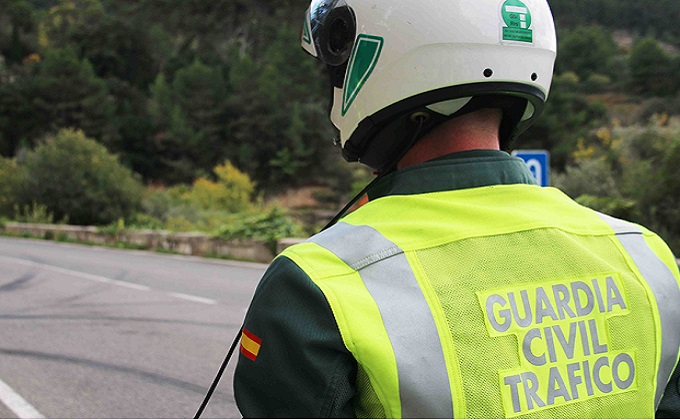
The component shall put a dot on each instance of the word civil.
(562, 341)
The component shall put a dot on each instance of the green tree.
(78, 179)
(243, 105)
(189, 121)
(58, 24)
(131, 135)
(114, 46)
(649, 66)
(206, 31)
(17, 21)
(200, 90)
(568, 116)
(289, 93)
(68, 94)
(294, 156)
(117, 49)
(60, 91)
(586, 51)
(638, 16)
(172, 138)
(19, 124)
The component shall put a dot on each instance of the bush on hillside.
(232, 191)
(632, 173)
(658, 107)
(11, 177)
(650, 68)
(586, 50)
(77, 178)
(269, 227)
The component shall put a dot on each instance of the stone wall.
(182, 243)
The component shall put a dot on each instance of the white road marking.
(194, 298)
(130, 285)
(79, 274)
(107, 280)
(17, 404)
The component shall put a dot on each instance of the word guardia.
(562, 337)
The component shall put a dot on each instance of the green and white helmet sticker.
(365, 55)
(306, 33)
(517, 18)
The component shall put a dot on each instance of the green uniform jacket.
(295, 363)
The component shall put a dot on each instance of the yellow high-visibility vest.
(500, 301)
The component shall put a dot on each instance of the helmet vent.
(534, 77)
(488, 73)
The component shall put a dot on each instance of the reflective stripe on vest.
(424, 388)
(665, 289)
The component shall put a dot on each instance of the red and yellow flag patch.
(250, 344)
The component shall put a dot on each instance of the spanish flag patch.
(250, 344)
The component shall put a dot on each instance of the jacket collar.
(469, 169)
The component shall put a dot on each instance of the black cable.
(216, 381)
(420, 119)
(390, 168)
(351, 202)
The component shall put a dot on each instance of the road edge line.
(17, 404)
(193, 298)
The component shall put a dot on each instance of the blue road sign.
(538, 162)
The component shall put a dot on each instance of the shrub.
(613, 206)
(143, 221)
(180, 224)
(597, 83)
(76, 177)
(156, 203)
(268, 227)
(585, 50)
(232, 191)
(11, 178)
(113, 229)
(657, 107)
(649, 65)
(632, 173)
(593, 177)
(34, 213)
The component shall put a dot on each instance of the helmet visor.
(333, 29)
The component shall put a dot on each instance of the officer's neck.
(475, 131)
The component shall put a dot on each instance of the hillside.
(178, 89)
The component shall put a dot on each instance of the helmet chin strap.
(418, 118)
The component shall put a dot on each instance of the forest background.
(207, 115)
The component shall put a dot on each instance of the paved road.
(104, 333)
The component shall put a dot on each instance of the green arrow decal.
(365, 55)
(305, 32)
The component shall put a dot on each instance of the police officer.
(461, 289)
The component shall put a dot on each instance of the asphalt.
(90, 332)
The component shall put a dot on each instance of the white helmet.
(392, 61)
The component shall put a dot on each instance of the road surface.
(90, 332)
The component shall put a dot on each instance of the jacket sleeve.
(669, 408)
(302, 368)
